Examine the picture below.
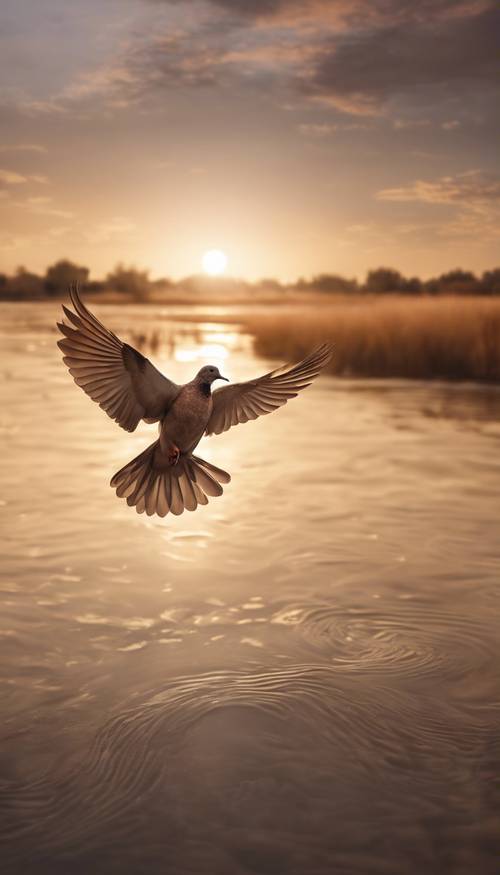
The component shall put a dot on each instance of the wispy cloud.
(11, 177)
(11, 242)
(342, 13)
(474, 195)
(472, 188)
(321, 130)
(431, 60)
(354, 57)
(43, 206)
(405, 124)
(23, 147)
(103, 232)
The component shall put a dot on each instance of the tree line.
(137, 285)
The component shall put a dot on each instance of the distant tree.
(163, 284)
(129, 280)
(431, 286)
(490, 282)
(332, 282)
(269, 284)
(94, 286)
(412, 286)
(459, 282)
(384, 279)
(61, 275)
(327, 282)
(24, 285)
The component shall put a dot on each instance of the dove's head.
(208, 374)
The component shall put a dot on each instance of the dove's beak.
(220, 377)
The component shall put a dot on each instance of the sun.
(214, 262)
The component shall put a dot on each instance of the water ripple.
(410, 639)
(226, 747)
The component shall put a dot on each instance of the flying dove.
(167, 476)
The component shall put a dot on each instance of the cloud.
(473, 188)
(105, 80)
(11, 177)
(432, 60)
(475, 195)
(10, 242)
(250, 8)
(352, 13)
(42, 107)
(354, 56)
(404, 124)
(23, 147)
(474, 227)
(319, 131)
(39, 178)
(114, 227)
(58, 231)
(43, 206)
(357, 57)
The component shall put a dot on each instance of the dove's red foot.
(173, 454)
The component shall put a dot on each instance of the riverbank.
(449, 337)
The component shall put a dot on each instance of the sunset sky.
(298, 137)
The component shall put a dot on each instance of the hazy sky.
(298, 137)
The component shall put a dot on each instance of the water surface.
(301, 677)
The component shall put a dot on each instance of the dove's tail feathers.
(150, 483)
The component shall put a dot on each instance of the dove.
(167, 477)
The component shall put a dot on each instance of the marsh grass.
(450, 338)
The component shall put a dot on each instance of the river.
(301, 677)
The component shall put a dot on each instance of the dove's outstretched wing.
(240, 402)
(115, 375)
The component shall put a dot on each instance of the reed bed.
(448, 338)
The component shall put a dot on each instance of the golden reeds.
(449, 338)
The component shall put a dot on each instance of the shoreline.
(451, 338)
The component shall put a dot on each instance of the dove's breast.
(187, 419)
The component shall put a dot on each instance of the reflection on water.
(301, 677)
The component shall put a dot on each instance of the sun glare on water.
(214, 262)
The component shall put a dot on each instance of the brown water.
(300, 678)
